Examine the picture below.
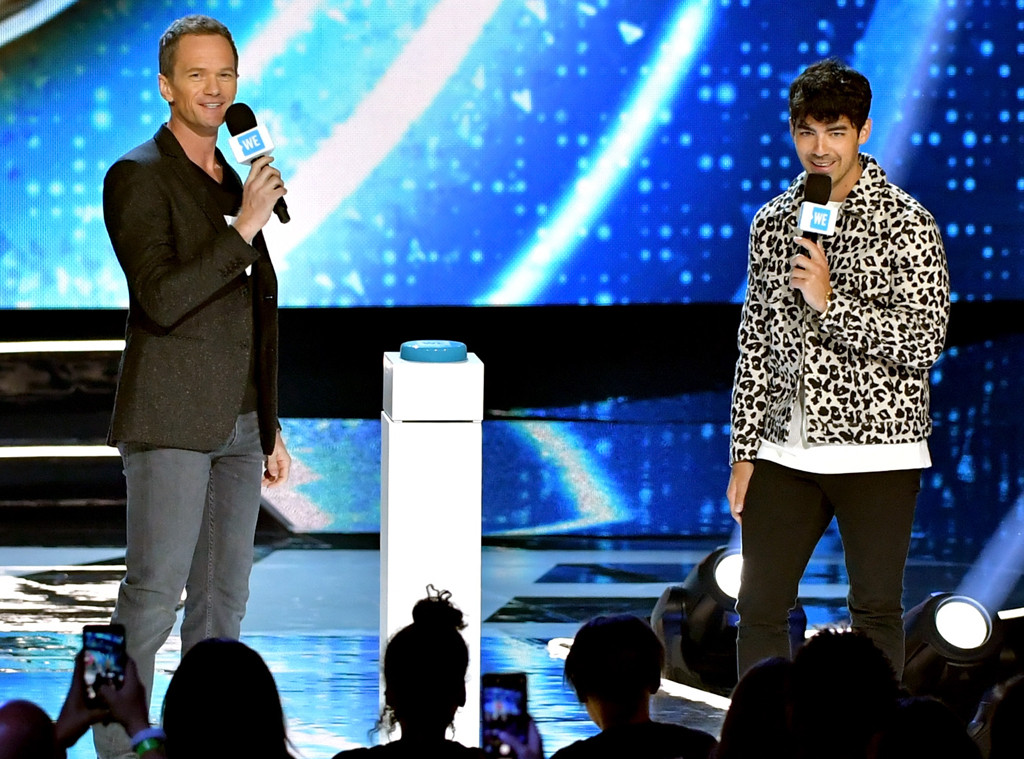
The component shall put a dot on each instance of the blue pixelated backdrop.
(445, 152)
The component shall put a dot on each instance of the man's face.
(202, 85)
(831, 149)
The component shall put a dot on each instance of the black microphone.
(815, 215)
(249, 141)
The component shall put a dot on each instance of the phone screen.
(104, 657)
(503, 711)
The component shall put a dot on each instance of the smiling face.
(831, 149)
(202, 85)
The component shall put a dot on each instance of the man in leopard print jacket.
(830, 397)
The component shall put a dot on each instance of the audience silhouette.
(26, 732)
(757, 722)
(998, 728)
(839, 697)
(219, 685)
(425, 667)
(925, 727)
(614, 665)
(843, 691)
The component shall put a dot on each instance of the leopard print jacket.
(865, 364)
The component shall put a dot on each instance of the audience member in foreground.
(757, 723)
(219, 685)
(26, 731)
(425, 667)
(223, 701)
(844, 691)
(924, 726)
(998, 727)
(614, 665)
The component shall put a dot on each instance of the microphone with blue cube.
(249, 140)
(815, 216)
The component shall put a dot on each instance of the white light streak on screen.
(896, 63)
(533, 267)
(28, 18)
(290, 20)
(359, 144)
(583, 479)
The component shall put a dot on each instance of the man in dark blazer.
(195, 416)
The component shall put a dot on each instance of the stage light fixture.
(958, 627)
(953, 651)
(963, 623)
(727, 572)
(696, 622)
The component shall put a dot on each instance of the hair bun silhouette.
(437, 611)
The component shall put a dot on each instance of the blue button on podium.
(433, 351)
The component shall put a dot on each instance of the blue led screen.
(473, 152)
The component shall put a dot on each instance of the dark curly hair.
(828, 90)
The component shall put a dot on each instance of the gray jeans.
(191, 524)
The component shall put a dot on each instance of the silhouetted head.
(925, 726)
(425, 666)
(757, 723)
(616, 659)
(223, 701)
(1007, 735)
(842, 684)
(26, 732)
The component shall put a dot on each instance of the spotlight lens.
(727, 574)
(962, 623)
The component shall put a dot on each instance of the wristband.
(148, 744)
(147, 734)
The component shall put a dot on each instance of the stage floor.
(313, 616)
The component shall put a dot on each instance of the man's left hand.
(810, 274)
(278, 464)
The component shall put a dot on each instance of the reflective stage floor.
(313, 616)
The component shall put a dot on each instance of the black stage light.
(953, 651)
(696, 622)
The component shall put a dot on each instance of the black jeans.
(785, 513)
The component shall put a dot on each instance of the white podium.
(430, 501)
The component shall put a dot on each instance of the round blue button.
(433, 351)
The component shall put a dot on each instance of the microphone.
(249, 141)
(815, 216)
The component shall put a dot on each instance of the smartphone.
(503, 710)
(104, 659)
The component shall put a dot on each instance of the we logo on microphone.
(251, 144)
(817, 218)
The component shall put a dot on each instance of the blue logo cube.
(820, 220)
(251, 142)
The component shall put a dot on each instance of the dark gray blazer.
(191, 323)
